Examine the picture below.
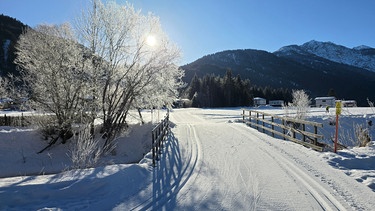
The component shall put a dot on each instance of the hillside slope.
(10, 30)
(291, 67)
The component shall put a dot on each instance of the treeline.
(229, 91)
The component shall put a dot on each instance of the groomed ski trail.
(238, 168)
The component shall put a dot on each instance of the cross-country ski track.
(211, 163)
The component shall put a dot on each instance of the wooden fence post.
(263, 122)
(316, 132)
(250, 117)
(273, 127)
(283, 121)
(153, 148)
(243, 116)
(303, 135)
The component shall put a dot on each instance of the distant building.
(258, 101)
(325, 101)
(349, 103)
(277, 103)
(181, 103)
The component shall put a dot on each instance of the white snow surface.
(210, 161)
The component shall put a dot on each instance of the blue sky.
(201, 27)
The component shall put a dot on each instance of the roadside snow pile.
(347, 128)
(19, 147)
(358, 162)
(86, 189)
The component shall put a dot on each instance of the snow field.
(209, 162)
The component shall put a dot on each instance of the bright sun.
(151, 40)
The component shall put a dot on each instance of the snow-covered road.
(230, 166)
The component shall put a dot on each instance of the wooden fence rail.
(15, 120)
(292, 129)
(159, 133)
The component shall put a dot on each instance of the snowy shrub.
(46, 124)
(362, 135)
(84, 149)
(3, 86)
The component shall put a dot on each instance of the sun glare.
(151, 40)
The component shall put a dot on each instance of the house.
(325, 101)
(258, 101)
(181, 103)
(349, 103)
(276, 103)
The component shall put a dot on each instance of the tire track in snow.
(320, 194)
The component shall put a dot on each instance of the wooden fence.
(295, 130)
(15, 120)
(159, 133)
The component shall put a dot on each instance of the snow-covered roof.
(325, 98)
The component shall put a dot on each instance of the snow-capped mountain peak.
(342, 54)
(362, 47)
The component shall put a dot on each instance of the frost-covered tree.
(137, 66)
(301, 103)
(116, 59)
(53, 67)
(3, 87)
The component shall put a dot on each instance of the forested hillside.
(10, 30)
(230, 91)
(290, 68)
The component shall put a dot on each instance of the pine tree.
(194, 86)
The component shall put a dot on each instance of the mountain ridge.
(296, 67)
(361, 56)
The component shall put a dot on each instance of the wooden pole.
(316, 132)
(303, 136)
(337, 131)
(283, 129)
(153, 148)
(338, 112)
(273, 127)
(243, 116)
(263, 122)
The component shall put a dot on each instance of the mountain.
(361, 56)
(10, 30)
(307, 67)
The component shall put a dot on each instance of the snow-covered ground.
(210, 161)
